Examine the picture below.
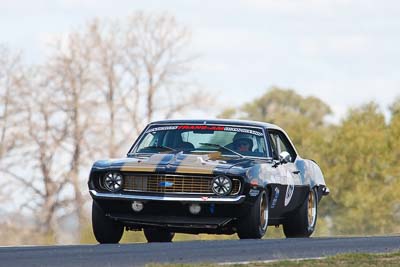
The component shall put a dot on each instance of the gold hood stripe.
(191, 164)
(138, 167)
(196, 170)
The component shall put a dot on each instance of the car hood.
(180, 163)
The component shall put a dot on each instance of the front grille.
(188, 184)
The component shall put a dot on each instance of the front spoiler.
(116, 196)
(183, 222)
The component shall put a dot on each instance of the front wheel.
(302, 222)
(158, 235)
(106, 231)
(254, 224)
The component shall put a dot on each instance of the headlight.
(221, 185)
(113, 181)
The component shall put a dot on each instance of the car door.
(289, 173)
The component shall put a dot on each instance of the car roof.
(220, 121)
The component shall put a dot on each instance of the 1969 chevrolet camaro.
(206, 176)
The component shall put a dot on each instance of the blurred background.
(80, 79)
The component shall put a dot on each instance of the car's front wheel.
(254, 224)
(302, 222)
(106, 230)
(158, 235)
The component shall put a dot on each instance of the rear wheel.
(254, 224)
(106, 230)
(302, 222)
(158, 235)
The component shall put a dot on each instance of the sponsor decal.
(166, 184)
(206, 128)
(254, 192)
(164, 128)
(290, 188)
(289, 194)
(201, 127)
(276, 197)
(243, 130)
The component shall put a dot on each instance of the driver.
(242, 143)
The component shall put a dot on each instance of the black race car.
(206, 176)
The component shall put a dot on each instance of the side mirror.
(284, 157)
(325, 191)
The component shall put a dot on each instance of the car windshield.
(235, 141)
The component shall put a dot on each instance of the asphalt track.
(219, 251)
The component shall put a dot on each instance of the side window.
(274, 147)
(279, 143)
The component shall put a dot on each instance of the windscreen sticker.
(164, 128)
(243, 130)
(206, 128)
(201, 127)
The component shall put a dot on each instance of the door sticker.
(276, 197)
(290, 187)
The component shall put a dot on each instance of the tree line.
(359, 156)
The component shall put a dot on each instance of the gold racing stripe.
(148, 165)
(138, 167)
(193, 164)
(195, 170)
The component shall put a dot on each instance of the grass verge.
(354, 259)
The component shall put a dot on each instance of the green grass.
(346, 260)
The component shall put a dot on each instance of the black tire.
(158, 235)
(106, 230)
(302, 222)
(255, 223)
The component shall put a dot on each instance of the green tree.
(358, 161)
(394, 152)
(359, 157)
(302, 117)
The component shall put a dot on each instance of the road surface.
(218, 251)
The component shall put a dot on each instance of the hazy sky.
(345, 52)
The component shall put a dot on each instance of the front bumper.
(184, 199)
(217, 216)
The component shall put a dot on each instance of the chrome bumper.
(228, 200)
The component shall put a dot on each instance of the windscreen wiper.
(223, 147)
(162, 147)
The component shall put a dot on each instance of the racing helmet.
(243, 137)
